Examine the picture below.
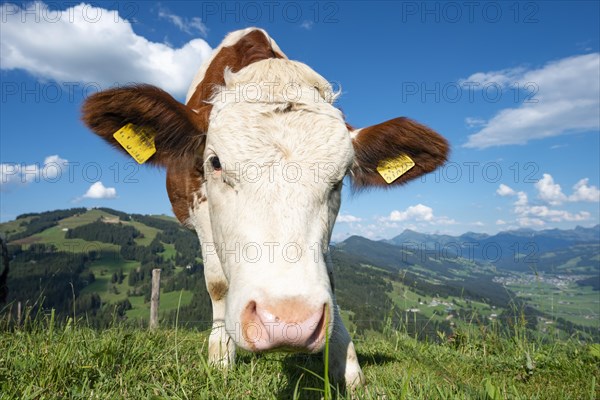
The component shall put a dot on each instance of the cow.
(255, 163)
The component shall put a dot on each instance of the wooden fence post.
(155, 298)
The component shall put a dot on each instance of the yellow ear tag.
(393, 168)
(138, 141)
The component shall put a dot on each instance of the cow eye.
(216, 163)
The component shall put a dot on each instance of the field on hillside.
(45, 360)
(561, 299)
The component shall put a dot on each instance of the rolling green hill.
(97, 262)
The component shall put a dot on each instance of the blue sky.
(515, 88)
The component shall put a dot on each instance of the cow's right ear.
(178, 131)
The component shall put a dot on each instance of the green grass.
(84, 219)
(165, 217)
(56, 236)
(578, 304)
(405, 299)
(48, 361)
(148, 232)
(12, 227)
(169, 252)
(103, 270)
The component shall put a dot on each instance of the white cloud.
(546, 213)
(186, 25)
(552, 194)
(473, 122)
(306, 24)
(369, 231)
(549, 191)
(529, 215)
(527, 222)
(13, 175)
(583, 192)
(500, 222)
(348, 218)
(99, 191)
(557, 146)
(522, 200)
(89, 44)
(559, 98)
(10, 174)
(54, 166)
(503, 77)
(445, 221)
(419, 212)
(504, 190)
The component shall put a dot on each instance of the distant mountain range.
(546, 240)
(518, 250)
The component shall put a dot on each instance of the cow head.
(255, 163)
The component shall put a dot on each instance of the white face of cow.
(274, 174)
(255, 161)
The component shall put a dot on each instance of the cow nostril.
(251, 307)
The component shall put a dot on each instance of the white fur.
(269, 213)
(354, 133)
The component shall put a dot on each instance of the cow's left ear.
(394, 152)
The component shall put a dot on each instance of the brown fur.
(249, 49)
(217, 290)
(390, 139)
(179, 130)
(184, 180)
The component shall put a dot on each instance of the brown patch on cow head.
(389, 140)
(252, 47)
(184, 182)
(217, 290)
